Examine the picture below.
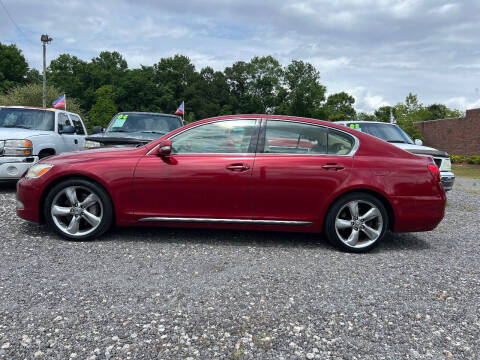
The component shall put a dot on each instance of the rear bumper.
(12, 168)
(448, 178)
(418, 213)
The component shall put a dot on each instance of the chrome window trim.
(352, 152)
(207, 123)
(224, 221)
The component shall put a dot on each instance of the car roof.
(147, 113)
(28, 107)
(362, 122)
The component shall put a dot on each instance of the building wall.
(459, 136)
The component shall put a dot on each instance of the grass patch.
(466, 170)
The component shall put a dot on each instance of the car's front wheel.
(356, 222)
(78, 209)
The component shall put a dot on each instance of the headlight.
(18, 148)
(38, 170)
(92, 144)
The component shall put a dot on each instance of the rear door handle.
(333, 166)
(237, 167)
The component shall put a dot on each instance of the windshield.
(144, 123)
(27, 119)
(387, 132)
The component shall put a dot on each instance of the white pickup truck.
(28, 134)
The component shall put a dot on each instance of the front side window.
(27, 119)
(230, 136)
(287, 137)
(77, 123)
(63, 121)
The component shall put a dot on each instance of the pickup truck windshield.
(387, 132)
(27, 119)
(143, 123)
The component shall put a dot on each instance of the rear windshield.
(27, 119)
(387, 132)
(144, 123)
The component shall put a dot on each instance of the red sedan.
(244, 171)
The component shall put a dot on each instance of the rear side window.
(339, 143)
(287, 137)
(77, 124)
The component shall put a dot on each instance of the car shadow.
(391, 242)
(8, 186)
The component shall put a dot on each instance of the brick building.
(459, 136)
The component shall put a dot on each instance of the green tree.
(303, 94)
(339, 107)
(13, 67)
(440, 111)
(362, 116)
(383, 113)
(31, 95)
(104, 108)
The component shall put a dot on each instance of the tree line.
(105, 85)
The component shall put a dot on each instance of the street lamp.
(45, 39)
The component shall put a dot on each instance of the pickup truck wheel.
(356, 222)
(78, 209)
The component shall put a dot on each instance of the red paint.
(249, 186)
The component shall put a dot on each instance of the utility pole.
(45, 40)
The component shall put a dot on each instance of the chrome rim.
(77, 211)
(359, 224)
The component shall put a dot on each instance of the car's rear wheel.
(356, 222)
(78, 209)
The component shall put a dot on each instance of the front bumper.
(12, 168)
(448, 178)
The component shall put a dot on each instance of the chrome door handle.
(333, 166)
(237, 167)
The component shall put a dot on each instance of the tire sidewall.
(329, 227)
(104, 197)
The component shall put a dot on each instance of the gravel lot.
(181, 294)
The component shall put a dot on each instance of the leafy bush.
(473, 159)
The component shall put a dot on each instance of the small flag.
(180, 109)
(60, 102)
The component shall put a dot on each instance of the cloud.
(388, 48)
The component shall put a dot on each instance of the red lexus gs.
(261, 172)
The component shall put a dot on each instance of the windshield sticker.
(355, 126)
(120, 120)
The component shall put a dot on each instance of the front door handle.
(333, 166)
(237, 167)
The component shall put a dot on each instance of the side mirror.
(418, 142)
(165, 148)
(67, 130)
(97, 130)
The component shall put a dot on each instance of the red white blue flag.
(60, 102)
(180, 109)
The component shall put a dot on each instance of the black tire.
(339, 234)
(103, 204)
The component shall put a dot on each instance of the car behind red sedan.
(244, 171)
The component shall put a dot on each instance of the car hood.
(98, 153)
(18, 133)
(421, 150)
(114, 138)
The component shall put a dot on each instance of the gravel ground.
(187, 294)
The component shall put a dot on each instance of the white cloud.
(462, 103)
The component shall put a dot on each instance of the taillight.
(435, 172)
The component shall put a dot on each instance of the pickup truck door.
(79, 131)
(69, 142)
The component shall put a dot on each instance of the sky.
(376, 50)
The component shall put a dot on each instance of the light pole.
(45, 40)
